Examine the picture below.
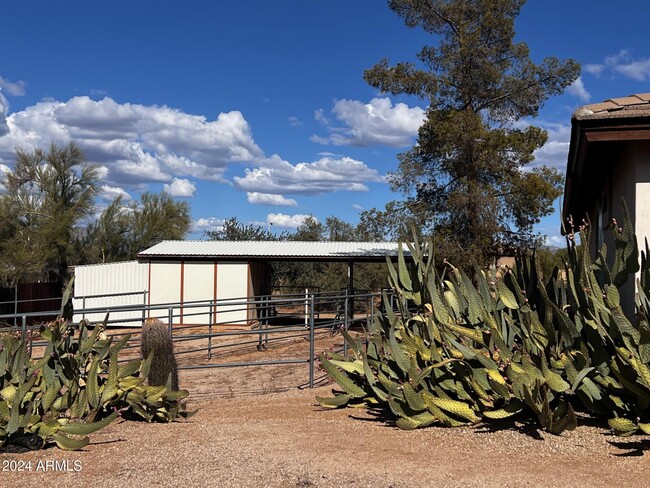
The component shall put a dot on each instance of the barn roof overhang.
(598, 134)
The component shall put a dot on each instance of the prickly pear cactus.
(76, 388)
(464, 348)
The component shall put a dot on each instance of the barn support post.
(312, 346)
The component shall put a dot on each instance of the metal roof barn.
(216, 271)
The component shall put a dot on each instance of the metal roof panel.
(273, 249)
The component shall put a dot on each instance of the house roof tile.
(633, 106)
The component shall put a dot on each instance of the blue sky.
(258, 109)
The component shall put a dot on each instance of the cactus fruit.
(157, 340)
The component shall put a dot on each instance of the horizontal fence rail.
(238, 332)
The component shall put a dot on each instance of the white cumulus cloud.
(207, 223)
(3, 169)
(367, 124)
(577, 89)
(556, 150)
(16, 89)
(270, 199)
(286, 221)
(276, 176)
(136, 143)
(4, 109)
(638, 70)
(295, 121)
(555, 241)
(622, 63)
(110, 193)
(180, 188)
(594, 69)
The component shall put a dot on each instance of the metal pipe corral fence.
(230, 333)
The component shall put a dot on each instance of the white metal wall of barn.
(107, 279)
(167, 282)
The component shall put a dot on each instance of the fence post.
(144, 305)
(346, 324)
(210, 331)
(171, 319)
(83, 307)
(307, 306)
(261, 343)
(24, 328)
(312, 346)
(15, 304)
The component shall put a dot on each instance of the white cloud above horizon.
(3, 169)
(270, 199)
(16, 89)
(279, 177)
(205, 224)
(376, 123)
(556, 150)
(577, 89)
(555, 241)
(622, 63)
(110, 193)
(4, 110)
(136, 143)
(286, 221)
(180, 187)
(295, 121)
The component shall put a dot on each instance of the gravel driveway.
(246, 435)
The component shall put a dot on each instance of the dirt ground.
(255, 428)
